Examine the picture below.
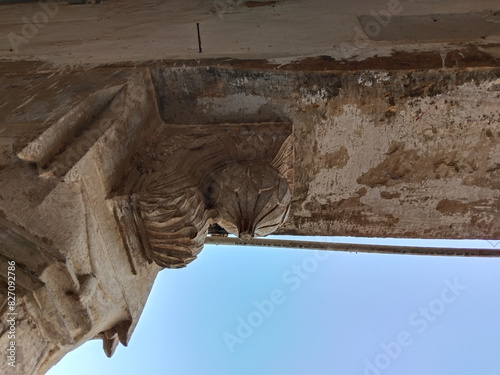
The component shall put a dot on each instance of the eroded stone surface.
(187, 177)
(87, 285)
(359, 137)
(376, 152)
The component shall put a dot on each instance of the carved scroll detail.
(239, 176)
(175, 223)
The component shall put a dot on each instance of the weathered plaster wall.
(377, 153)
(385, 153)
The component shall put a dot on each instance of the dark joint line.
(199, 37)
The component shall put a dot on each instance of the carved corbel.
(119, 333)
(238, 176)
(251, 199)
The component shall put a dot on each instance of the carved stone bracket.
(237, 175)
(71, 272)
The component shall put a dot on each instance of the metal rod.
(358, 248)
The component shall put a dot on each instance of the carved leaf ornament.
(186, 187)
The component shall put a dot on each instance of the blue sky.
(248, 310)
